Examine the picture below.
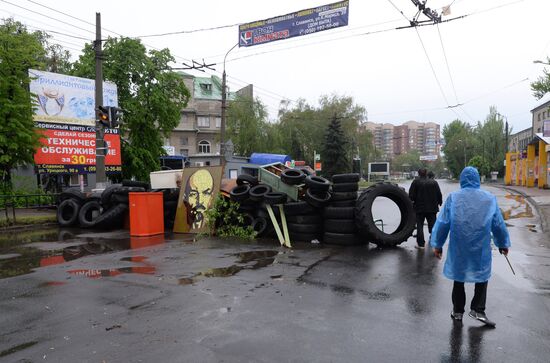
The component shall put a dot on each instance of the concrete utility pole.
(224, 106)
(99, 134)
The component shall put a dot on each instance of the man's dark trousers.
(478, 302)
(430, 217)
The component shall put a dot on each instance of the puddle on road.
(21, 253)
(521, 209)
(260, 259)
(97, 274)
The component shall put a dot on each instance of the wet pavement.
(69, 296)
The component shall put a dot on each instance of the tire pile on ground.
(339, 216)
(107, 209)
(305, 217)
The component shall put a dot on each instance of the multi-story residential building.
(518, 142)
(395, 140)
(540, 114)
(197, 137)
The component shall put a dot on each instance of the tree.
(542, 85)
(459, 141)
(150, 93)
(480, 164)
(19, 51)
(333, 154)
(247, 126)
(491, 141)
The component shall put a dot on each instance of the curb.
(28, 227)
(543, 222)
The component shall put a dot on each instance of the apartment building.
(197, 136)
(393, 140)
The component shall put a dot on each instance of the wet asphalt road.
(214, 300)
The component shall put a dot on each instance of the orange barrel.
(146, 214)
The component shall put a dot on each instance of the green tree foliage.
(491, 141)
(459, 141)
(151, 95)
(247, 126)
(480, 164)
(19, 51)
(407, 162)
(303, 127)
(542, 85)
(333, 154)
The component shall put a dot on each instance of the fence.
(25, 202)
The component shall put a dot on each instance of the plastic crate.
(270, 174)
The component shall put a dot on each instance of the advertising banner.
(70, 149)
(66, 99)
(64, 115)
(295, 24)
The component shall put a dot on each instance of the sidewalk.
(539, 198)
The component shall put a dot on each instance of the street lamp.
(224, 98)
(540, 62)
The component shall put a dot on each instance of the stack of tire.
(339, 217)
(105, 210)
(364, 219)
(304, 217)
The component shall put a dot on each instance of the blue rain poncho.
(471, 215)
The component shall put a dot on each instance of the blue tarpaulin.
(262, 159)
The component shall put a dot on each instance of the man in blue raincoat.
(471, 215)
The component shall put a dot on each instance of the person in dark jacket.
(426, 197)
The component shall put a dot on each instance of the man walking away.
(471, 215)
(427, 198)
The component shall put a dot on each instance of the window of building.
(218, 122)
(539, 117)
(184, 140)
(204, 147)
(206, 87)
(544, 115)
(184, 152)
(203, 121)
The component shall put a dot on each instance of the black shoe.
(456, 316)
(482, 317)
(419, 247)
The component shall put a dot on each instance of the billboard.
(428, 157)
(295, 24)
(64, 115)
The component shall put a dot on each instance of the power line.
(447, 63)
(52, 18)
(186, 31)
(399, 10)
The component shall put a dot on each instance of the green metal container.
(267, 175)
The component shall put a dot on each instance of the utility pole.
(224, 106)
(99, 133)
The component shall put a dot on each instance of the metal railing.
(25, 201)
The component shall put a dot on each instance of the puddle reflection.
(260, 259)
(514, 211)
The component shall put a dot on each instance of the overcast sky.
(489, 53)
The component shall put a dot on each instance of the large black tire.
(345, 187)
(365, 222)
(136, 183)
(306, 219)
(112, 218)
(317, 183)
(88, 213)
(240, 193)
(67, 212)
(317, 199)
(248, 219)
(304, 228)
(293, 176)
(120, 198)
(340, 225)
(342, 239)
(274, 198)
(346, 178)
(298, 208)
(304, 237)
(339, 196)
(107, 193)
(72, 193)
(258, 192)
(343, 203)
(247, 179)
(339, 212)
